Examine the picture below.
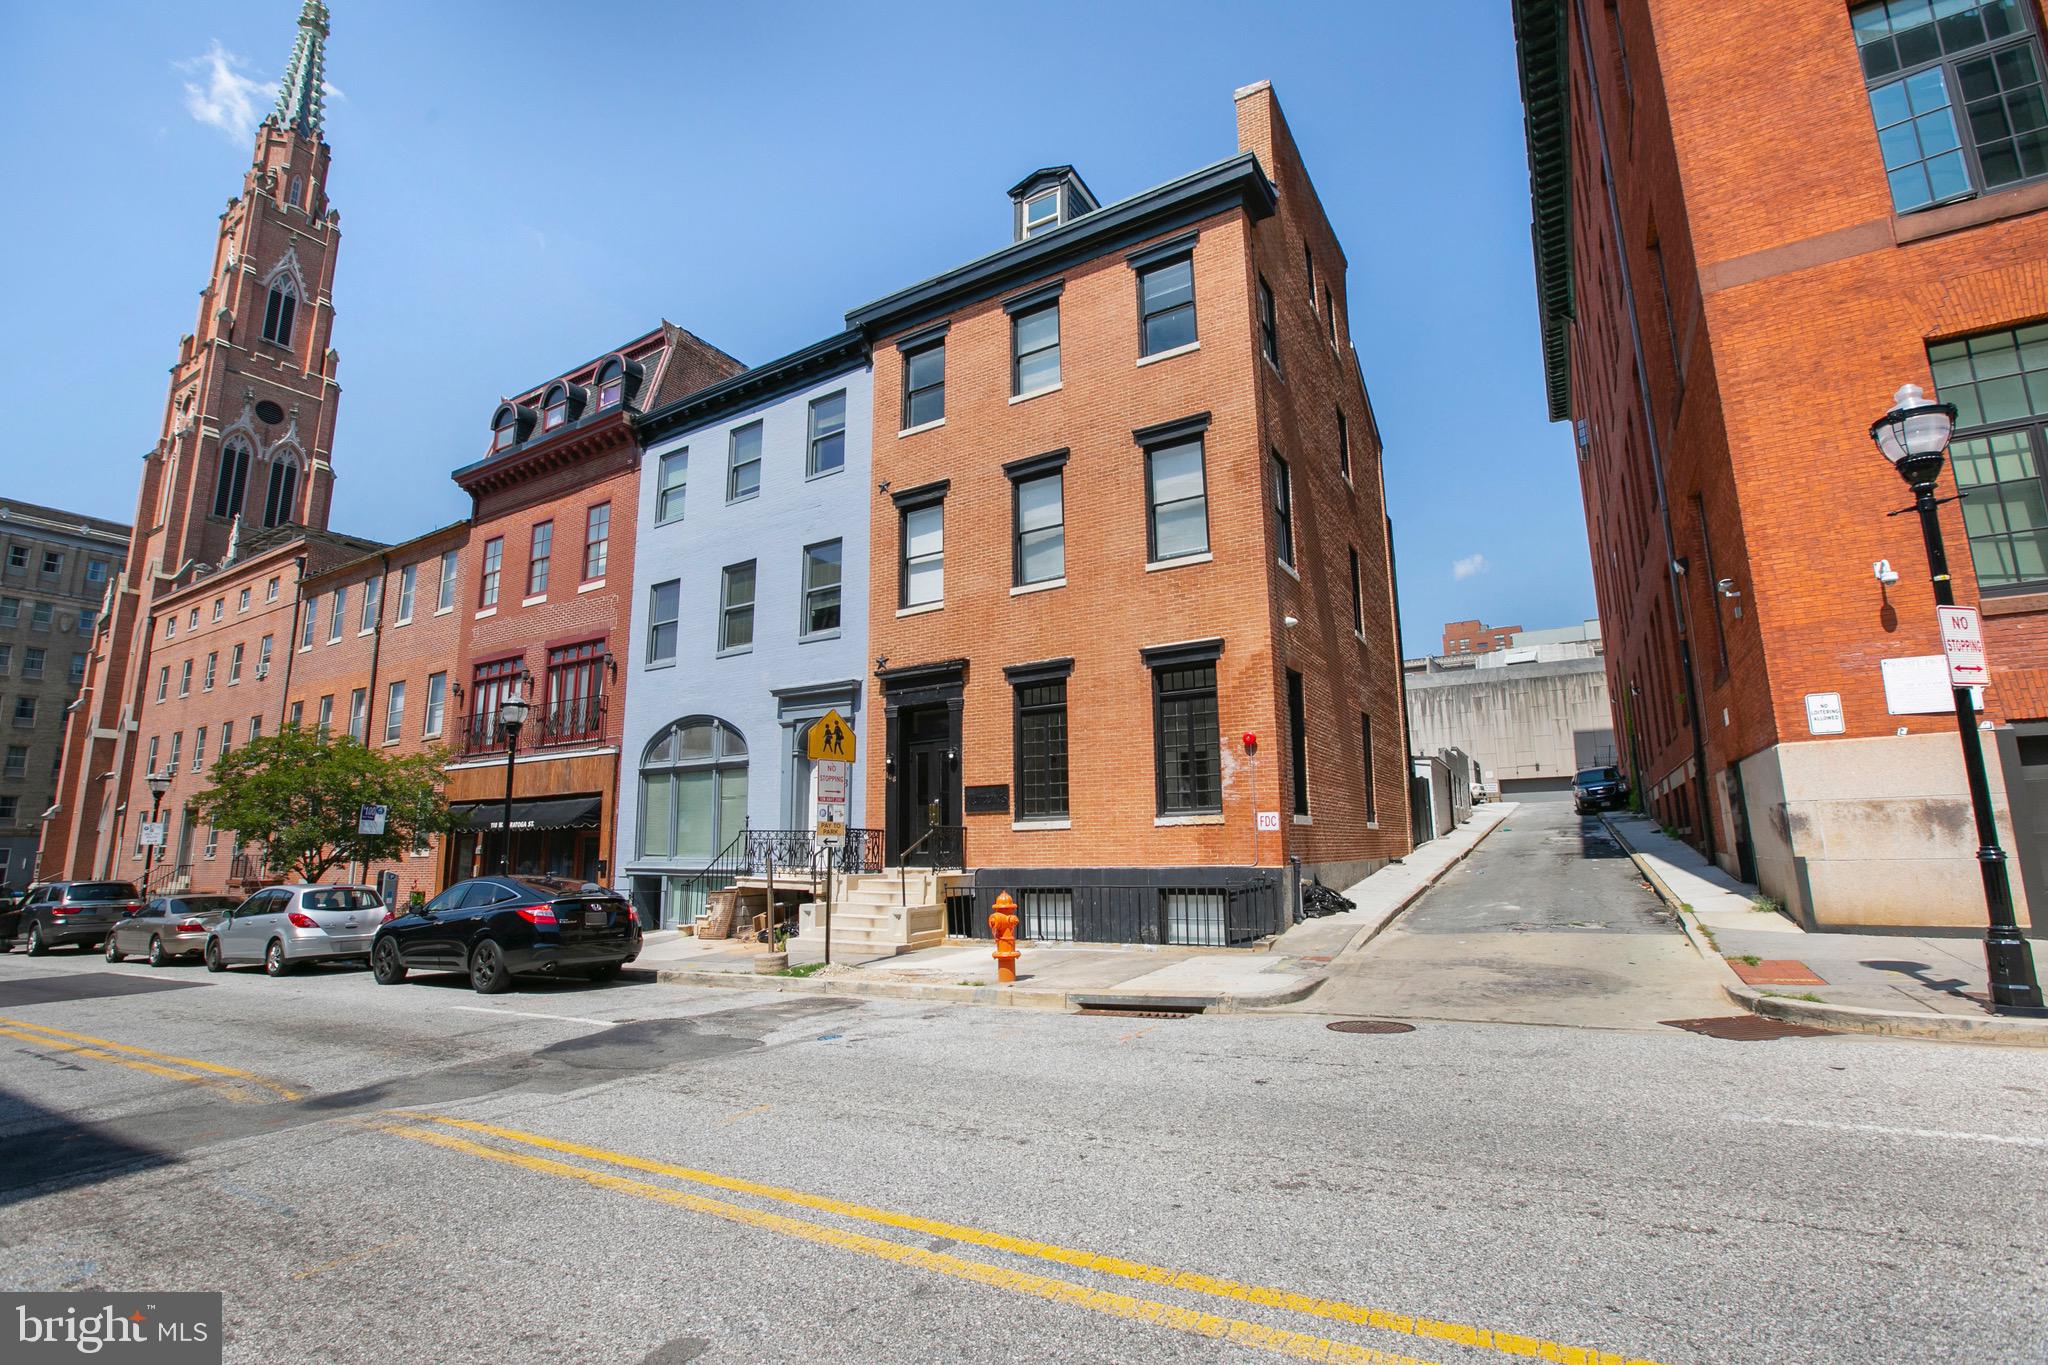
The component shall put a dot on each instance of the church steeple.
(299, 98)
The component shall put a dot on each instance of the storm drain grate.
(1745, 1028)
(1368, 1026)
(1120, 1013)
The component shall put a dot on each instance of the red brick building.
(248, 428)
(1742, 251)
(1476, 637)
(546, 602)
(1129, 477)
(377, 656)
(220, 656)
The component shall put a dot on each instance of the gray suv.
(283, 926)
(82, 913)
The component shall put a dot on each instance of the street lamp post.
(159, 783)
(512, 716)
(1914, 437)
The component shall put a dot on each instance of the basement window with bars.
(1048, 915)
(1999, 384)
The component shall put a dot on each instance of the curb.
(1373, 931)
(1945, 1028)
(1222, 1002)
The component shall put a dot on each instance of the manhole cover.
(1369, 1026)
(1745, 1028)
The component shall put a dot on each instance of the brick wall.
(1779, 300)
(1109, 606)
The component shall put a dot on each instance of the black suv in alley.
(1598, 789)
(498, 928)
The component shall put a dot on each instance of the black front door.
(1738, 806)
(924, 785)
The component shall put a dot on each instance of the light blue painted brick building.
(751, 615)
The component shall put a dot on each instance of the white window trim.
(1158, 356)
(921, 608)
(1180, 562)
(1047, 586)
(1037, 393)
(933, 425)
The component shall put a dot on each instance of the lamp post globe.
(1914, 437)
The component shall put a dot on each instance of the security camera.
(1884, 572)
(1727, 587)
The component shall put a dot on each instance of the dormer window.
(1042, 213)
(554, 409)
(1048, 198)
(510, 425)
(618, 380)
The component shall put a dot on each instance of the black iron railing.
(576, 721)
(166, 877)
(1228, 913)
(791, 852)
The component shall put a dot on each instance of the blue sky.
(523, 185)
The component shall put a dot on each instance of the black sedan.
(499, 928)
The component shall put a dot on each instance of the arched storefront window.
(693, 790)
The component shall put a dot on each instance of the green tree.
(298, 793)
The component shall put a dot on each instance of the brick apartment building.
(377, 656)
(548, 606)
(54, 571)
(1129, 479)
(248, 429)
(220, 657)
(1476, 637)
(1742, 251)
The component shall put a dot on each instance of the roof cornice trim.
(1544, 66)
(1236, 182)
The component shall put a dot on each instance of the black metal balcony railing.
(576, 721)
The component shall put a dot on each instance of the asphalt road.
(1546, 922)
(644, 1172)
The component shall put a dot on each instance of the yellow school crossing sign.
(831, 740)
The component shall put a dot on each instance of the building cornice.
(1238, 182)
(750, 388)
(1545, 69)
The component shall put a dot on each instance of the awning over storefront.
(563, 812)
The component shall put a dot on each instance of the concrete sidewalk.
(1062, 976)
(1927, 987)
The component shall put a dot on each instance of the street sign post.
(370, 819)
(151, 834)
(1962, 640)
(833, 779)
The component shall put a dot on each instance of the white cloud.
(1468, 566)
(222, 95)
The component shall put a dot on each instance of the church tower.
(248, 430)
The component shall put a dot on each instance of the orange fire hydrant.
(1002, 922)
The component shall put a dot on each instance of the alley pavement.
(1547, 922)
(647, 1172)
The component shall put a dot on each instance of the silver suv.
(283, 926)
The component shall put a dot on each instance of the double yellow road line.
(230, 1082)
(514, 1147)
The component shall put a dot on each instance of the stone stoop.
(878, 914)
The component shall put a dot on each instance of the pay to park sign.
(1962, 640)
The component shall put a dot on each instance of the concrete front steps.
(879, 914)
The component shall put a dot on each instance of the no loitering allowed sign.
(1962, 640)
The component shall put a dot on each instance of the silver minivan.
(283, 926)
